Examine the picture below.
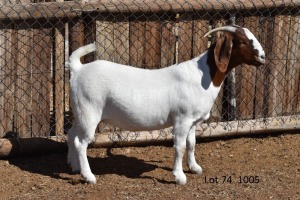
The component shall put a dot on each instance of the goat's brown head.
(237, 46)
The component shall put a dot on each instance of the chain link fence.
(36, 38)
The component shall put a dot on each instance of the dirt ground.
(261, 167)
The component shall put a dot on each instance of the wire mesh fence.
(36, 38)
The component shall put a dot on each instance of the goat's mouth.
(259, 61)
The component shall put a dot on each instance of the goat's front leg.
(180, 133)
(191, 161)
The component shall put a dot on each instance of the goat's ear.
(222, 51)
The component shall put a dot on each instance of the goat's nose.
(262, 58)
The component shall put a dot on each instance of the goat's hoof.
(196, 169)
(91, 179)
(180, 178)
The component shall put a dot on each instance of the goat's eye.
(246, 43)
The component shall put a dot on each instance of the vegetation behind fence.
(36, 38)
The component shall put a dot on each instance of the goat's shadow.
(55, 165)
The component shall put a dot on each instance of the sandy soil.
(264, 167)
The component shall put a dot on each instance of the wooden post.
(2, 86)
(41, 80)
(59, 71)
(89, 34)
(104, 38)
(23, 107)
(277, 67)
(200, 28)
(7, 53)
(76, 34)
(185, 35)
(168, 44)
(152, 44)
(121, 40)
(137, 31)
(9, 47)
(264, 33)
(293, 68)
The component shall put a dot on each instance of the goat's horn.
(231, 29)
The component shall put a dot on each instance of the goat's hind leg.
(81, 143)
(73, 159)
(191, 161)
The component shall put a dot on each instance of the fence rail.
(70, 9)
(36, 38)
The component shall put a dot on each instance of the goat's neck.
(217, 76)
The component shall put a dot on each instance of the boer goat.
(181, 96)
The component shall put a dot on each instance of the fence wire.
(37, 37)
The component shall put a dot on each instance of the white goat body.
(139, 99)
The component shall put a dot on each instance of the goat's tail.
(74, 60)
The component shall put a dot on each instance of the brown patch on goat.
(229, 51)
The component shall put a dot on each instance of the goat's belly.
(131, 126)
(138, 121)
(137, 110)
